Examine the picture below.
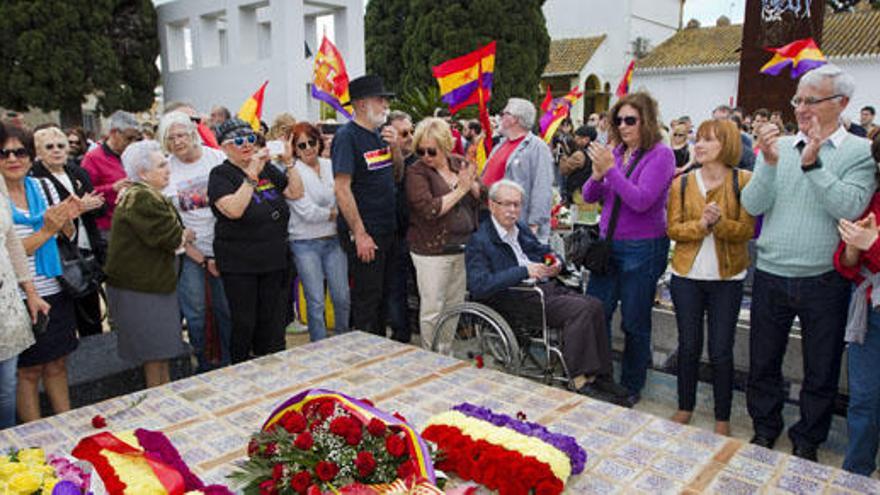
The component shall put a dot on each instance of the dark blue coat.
(491, 263)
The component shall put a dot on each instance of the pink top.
(104, 168)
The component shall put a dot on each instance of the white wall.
(867, 76)
(693, 93)
(209, 83)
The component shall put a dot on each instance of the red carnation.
(365, 463)
(304, 441)
(549, 487)
(253, 448)
(271, 449)
(406, 469)
(341, 426)
(479, 361)
(326, 470)
(277, 471)
(326, 409)
(395, 446)
(376, 427)
(354, 436)
(301, 481)
(98, 421)
(294, 422)
(268, 488)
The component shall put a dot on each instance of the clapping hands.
(768, 135)
(603, 159)
(859, 235)
(711, 215)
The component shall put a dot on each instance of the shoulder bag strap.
(684, 183)
(615, 210)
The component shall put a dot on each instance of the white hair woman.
(141, 275)
(199, 287)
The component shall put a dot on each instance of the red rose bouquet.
(322, 440)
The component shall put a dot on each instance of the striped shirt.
(45, 286)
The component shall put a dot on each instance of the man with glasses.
(365, 164)
(525, 159)
(803, 185)
(503, 253)
(104, 165)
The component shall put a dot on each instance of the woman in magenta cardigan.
(638, 170)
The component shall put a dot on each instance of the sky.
(708, 11)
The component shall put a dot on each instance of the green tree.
(383, 24)
(57, 52)
(438, 31)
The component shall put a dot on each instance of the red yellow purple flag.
(330, 83)
(802, 55)
(252, 109)
(556, 112)
(460, 78)
(623, 87)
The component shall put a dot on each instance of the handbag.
(592, 251)
(81, 274)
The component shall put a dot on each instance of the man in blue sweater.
(803, 185)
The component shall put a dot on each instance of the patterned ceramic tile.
(755, 471)
(807, 469)
(854, 482)
(725, 484)
(634, 453)
(616, 470)
(654, 483)
(760, 454)
(790, 483)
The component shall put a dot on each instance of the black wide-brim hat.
(366, 86)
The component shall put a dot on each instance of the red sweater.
(870, 259)
(104, 168)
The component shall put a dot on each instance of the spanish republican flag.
(556, 112)
(252, 109)
(626, 81)
(802, 55)
(330, 83)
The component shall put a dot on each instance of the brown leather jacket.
(429, 232)
(732, 232)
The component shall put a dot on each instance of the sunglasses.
(679, 135)
(311, 143)
(508, 204)
(52, 146)
(432, 152)
(404, 134)
(18, 152)
(73, 141)
(195, 120)
(629, 120)
(240, 140)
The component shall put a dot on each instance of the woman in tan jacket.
(711, 231)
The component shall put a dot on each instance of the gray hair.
(396, 115)
(523, 110)
(136, 158)
(171, 118)
(178, 105)
(122, 121)
(841, 81)
(496, 187)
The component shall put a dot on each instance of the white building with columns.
(218, 52)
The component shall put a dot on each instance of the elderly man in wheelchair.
(509, 271)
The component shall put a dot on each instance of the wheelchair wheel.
(468, 330)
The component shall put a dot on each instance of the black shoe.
(807, 452)
(762, 441)
(633, 399)
(609, 386)
(590, 390)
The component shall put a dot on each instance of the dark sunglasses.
(196, 120)
(311, 143)
(432, 152)
(629, 120)
(52, 146)
(240, 140)
(404, 134)
(18, 152)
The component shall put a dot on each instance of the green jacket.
(146, 231)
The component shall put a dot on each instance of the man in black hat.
(365, 163)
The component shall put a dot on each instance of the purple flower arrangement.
(576, 455)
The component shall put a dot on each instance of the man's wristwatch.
(250, 181)
(812, 166)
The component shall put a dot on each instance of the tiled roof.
(569, 56)
(845, 35)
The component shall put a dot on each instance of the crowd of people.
(208, 221)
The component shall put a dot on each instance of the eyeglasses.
(679, 135)
(195, 120)
(509, 204)
(628, 120)
(810, 101)
(404, 134)
(52, 146)
(6, 154)
(73, 141)
(132, 136)
(174, 137)
(240, 140)
(311, 143)
(432, 152)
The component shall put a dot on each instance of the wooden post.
(774, 23)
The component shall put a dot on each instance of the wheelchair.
(519, 342)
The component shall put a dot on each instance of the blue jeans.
(318, 260)
(8, 383)
(191, 294)
(636, 266)
(397, 304)
(863, 414)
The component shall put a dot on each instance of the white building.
(218, 52)
(593, 41)
(698, 68)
